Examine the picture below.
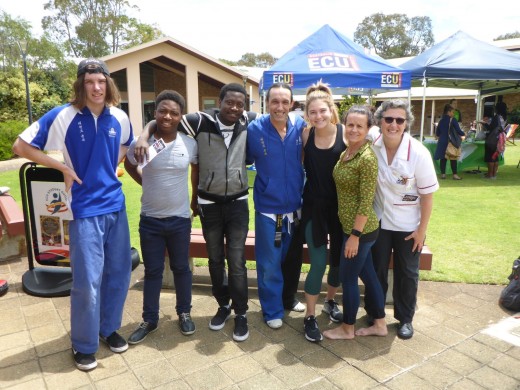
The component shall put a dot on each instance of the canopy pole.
(423, 108)
(432, 122)
(478, 116)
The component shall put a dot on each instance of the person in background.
(355, 175)
(165, 221)
(297, 109)
(495, 139)
(442, 133)
(456, 112)
(94, 136)
(403, 203)
(374, 130)
(222, 199)
(323, 143)
(4, 287)
(274, 144)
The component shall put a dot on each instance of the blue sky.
(229, 28)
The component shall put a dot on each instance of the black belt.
(279, 225)
(278, 232)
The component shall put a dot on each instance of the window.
(209, 102)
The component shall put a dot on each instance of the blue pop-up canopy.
(462, 61)
(339, 62)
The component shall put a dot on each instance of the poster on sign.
(51, 213)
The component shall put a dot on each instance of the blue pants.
(101, 267)
(269, 264)
(360, 266)
(157, 235)
(229, 221)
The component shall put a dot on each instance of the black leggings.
(453, 164)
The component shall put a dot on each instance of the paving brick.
(211, 378)
(457, 361)
(157, 373)
(493, 379)
(436, 374)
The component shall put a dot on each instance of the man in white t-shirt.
(165, 222)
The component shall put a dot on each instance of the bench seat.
(198, 250)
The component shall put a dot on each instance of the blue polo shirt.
(90, 147)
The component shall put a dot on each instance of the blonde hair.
(321, 91)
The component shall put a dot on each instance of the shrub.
(9, 131)
(347, 102)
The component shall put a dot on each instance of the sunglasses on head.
(389, 120)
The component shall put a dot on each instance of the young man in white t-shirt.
(165, 222)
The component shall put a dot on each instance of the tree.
(395, 35)
(516, 34)
(50, 75)
(347, 102)
(263, 60)
(95, 28)
(12, 31)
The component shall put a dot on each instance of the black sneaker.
(116, 343)
(144, 329)
(219, 320)
(186, 324)
(331, 308)
(312, 332)
(84, 361)
(241, 331)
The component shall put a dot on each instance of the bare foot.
(374, 330)
(339, 333)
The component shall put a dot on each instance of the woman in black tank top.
(323, 145)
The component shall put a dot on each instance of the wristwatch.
(356, 233)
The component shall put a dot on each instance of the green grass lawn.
(471, 233)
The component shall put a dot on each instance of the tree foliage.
(395, 35)
(95, 28)
(513, 35)
(347, 102)
(262, 60)
(50, 75)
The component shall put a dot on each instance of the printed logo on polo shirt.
(81, 132)
(112, 132)
(409, 198)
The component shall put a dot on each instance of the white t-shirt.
(400, 185)
(165, 178)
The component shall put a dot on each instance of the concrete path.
(463, 340)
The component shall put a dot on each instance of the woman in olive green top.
(355, 176)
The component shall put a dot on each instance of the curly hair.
(395, 103)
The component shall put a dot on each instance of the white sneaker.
(274, 324)
(298, 306)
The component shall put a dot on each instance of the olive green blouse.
(356, 186)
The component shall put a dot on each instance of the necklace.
(352, 152)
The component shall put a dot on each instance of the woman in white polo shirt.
(403, 203)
